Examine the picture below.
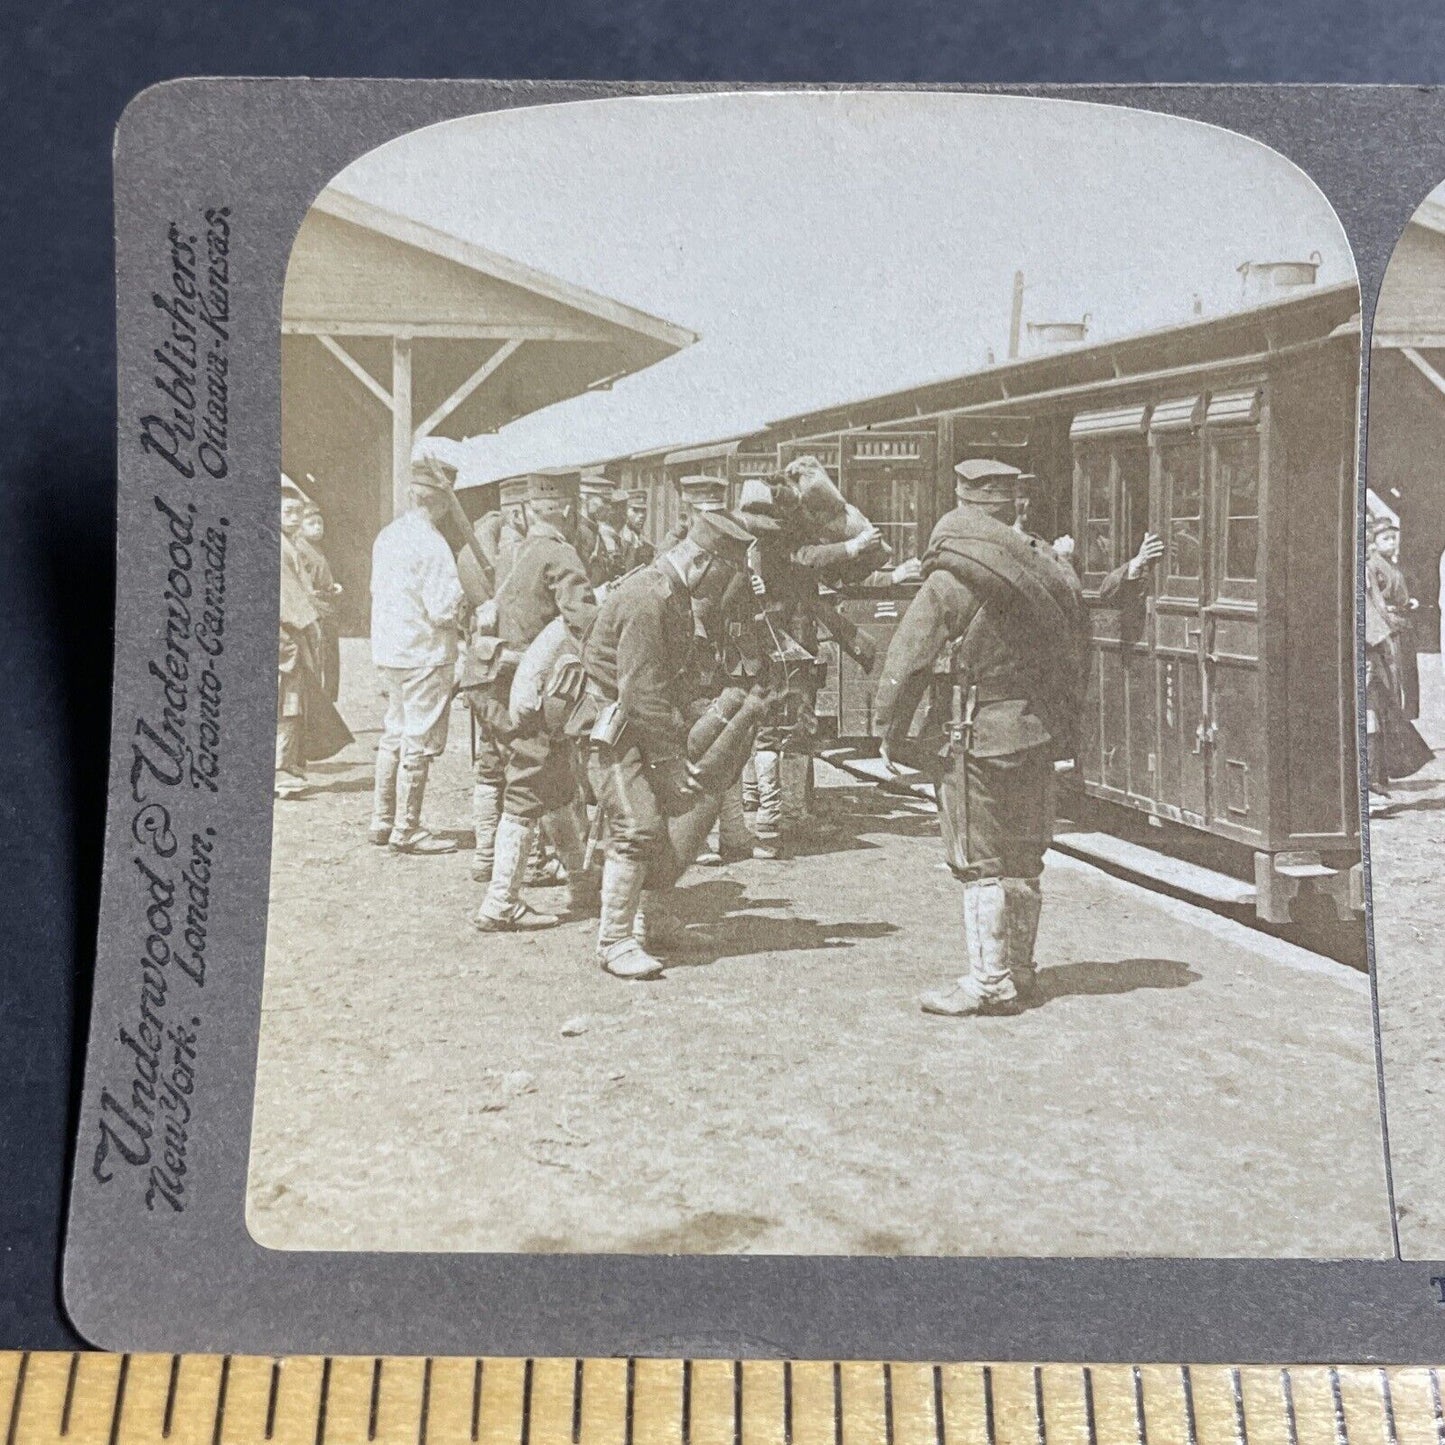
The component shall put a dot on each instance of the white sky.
(831, 246)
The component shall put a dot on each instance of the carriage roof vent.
(1261, 281)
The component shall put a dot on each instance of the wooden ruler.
(99, 1399)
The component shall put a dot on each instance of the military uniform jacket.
(989, 623)
(547, 580)
(640, 654)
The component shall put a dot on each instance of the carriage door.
(887, 476)
(1180, 676)
(1235, 726)
(1111, 499)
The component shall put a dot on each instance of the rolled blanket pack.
(721, 740)
(550, 656)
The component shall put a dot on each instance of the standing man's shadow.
(1127, 975)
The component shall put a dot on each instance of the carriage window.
(1097, 483)
(1237, 478)
(891, 504)
(1134, 474)
(1183, 498)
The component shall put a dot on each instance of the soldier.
(524, 776)
(416, 600)
(1006, 615)
(695, 494)
(790, 568)
(639, 551)
(602, 504)
(639, 659)
(300, 641)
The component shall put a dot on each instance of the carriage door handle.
(1192, 634)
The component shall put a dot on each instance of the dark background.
(66, 72)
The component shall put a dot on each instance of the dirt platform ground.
(1188, 1086)
(1407, 851)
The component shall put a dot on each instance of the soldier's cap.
(290, 490)
(511, 491)
(434, 473)
(311, 509)
(637, 497)
(719, 536)
(983, 479)
(551, 487)
(705, 491)
(598, 486)
(1382, 524)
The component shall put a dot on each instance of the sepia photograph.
(816, 692)
(1405, 712)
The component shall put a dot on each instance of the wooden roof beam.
(356, 369)
(488, 368)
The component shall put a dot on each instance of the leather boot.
(618, 950)
(383, 797)
(988, 986)
(1025, 902)
(582, 886)
(408, 835)
(503, 910)
(486, 812)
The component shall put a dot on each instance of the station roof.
(491, 339)
(1304, 316)
(1410, 314)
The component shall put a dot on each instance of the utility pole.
(1016, 316)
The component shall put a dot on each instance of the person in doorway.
(299, 651)
(416, 606)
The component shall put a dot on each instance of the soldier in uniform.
(639, 662)
(325, 594)
(638, 550)
(498, 535)
(523, 777)
(1005, 616)
(602, 503)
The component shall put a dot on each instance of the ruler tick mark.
(1342, 1429)
(988, 1421)
(272, 1391)
(1387, 1401)
(1040, 1431)
(477, 1400)
(1090, 1423)
(1141, 1426)
(375, 1398)
(837, 1403)
(321, 1404)
(687, 1402)
(787, 1402)
(888, 1402)
(1191, 1424)
(69, 1392)
(737, 1403)
(119, 1399)
(221, 1402)
(16, 1398)
(425, 1402)
(631, 1398)
(577, 1377)
(940, 1432)
(1241, 1429)
(169, 1417)
(526, 1402)
(1286, 1387)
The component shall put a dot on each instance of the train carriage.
(1221, 700)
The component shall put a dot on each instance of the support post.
(1016, 316)
(401, 422)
